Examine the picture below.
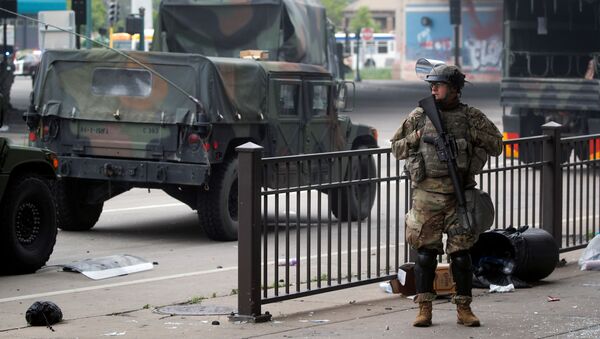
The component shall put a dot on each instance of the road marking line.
(112, 210)
(125, 283)
(148, 280)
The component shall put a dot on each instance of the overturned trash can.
(513, 256)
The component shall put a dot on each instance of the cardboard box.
(443, 283)
(408, 288)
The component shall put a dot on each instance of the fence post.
(552, 182)
(249, 241)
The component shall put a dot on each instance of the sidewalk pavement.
(365, 312)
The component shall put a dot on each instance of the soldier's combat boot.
(424, 317)
(464, 314)
(463, 277)
(424, 275)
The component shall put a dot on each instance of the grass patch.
(196, 300)
(370, 73)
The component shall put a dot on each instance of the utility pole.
(357, 36)
(142, 44)
(455, 21)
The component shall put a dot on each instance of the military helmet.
(447, 74)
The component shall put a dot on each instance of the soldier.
(433, 200)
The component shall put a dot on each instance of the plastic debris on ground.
(551, 298)
(114, 334)
(283, 262)
(108, 267)
(386, 287)
(501, 289)
(590, 258)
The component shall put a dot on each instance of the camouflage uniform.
(434, 209)
(434, 204)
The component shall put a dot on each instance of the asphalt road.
(151, 225)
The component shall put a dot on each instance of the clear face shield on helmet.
(425, 67)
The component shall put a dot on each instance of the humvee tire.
(29, 224)
(217, 208)
(75, 214)
(350, 205)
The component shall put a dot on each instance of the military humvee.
(28, 219)
(288, 30)
(115, 125)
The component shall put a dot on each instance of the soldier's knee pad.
(427, 258)
(461, 260)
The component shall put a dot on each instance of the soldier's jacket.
(476, 138)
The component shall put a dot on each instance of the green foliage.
(370, 73)
(334, 10)
(362, 18)
(98, 15)
(195, 300)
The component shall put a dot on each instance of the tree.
(98, 15)
(335, 10)
(362, 18)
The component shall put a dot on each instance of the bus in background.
(120, 40)
(378, 52)
(126, 41)
(148, 35)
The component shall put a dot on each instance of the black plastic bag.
(43, 313)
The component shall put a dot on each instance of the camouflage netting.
(224, 28)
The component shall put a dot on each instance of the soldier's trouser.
(462, 272)
(432, 215)
(425, 266)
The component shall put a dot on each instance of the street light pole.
(357, 36)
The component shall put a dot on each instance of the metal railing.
(309, 226)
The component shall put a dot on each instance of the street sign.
(367, 33)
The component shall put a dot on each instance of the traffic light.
(78, 6)
(113, 13)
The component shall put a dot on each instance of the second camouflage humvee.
(118, 123)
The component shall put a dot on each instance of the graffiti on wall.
(430, 35)
(482, 41)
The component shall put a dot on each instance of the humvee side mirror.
(342, 103)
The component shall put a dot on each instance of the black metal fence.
(315, 223)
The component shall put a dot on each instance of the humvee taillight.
(193, 139)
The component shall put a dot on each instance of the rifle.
(446, 148)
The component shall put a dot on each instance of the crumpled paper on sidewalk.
(501, 289)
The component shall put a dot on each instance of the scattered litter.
(590, 258)
(108, 267)
(311, 314)
(205, 321)
(215, 322)
(320, 321)
(386, 287)
(388, 308)
(551, 298)
(535, 313)
(501, 289)
(283, 262)
(303, 320)
(387, 328)
(219, 267)
(172, 323)
(172, 328)
(352, 302)
(43, 313)
(562, 263)
(277, 322)
(114, 334)
(575, 306)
